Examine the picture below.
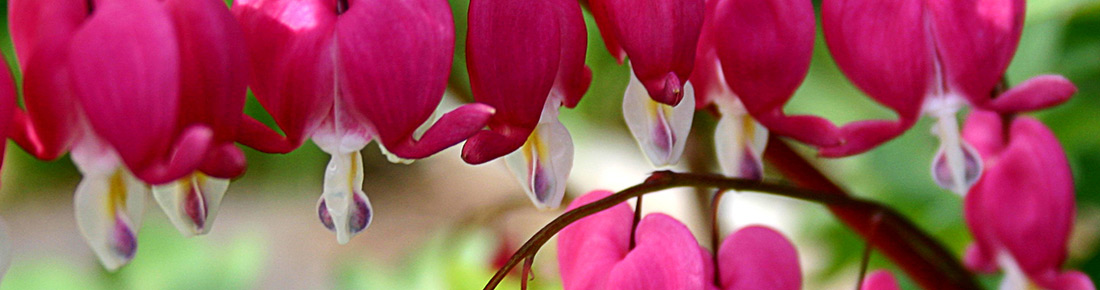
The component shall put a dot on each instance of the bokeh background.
(442, 224)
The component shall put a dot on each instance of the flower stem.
(922, 257)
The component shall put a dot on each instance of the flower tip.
(673, 91)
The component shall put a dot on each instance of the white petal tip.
(543, 163)
(661, 130)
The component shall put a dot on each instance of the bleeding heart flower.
(660, 37)
(595, 253)
(747, 83)
(1021, 211)
(526, 59)
(108, 79)
(345, 72)
(932, 57)
(757, 257)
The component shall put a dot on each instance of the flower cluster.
(147, 97)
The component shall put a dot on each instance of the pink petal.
(666, 256)
(186, 155)
(765, 49)
(290, 44)
(707, 76)
(41, 32)
(758, 257)
(214, 65)
(590, 247)
(573, 75)
(224, 161)
(1024, 203)
(125, 69)
(982, 130)
(883, 48)
(880, 280)
(975, 41)
(40, 23)
(7, 105)
(396, 77)
(607, 28)
(513, 51)
(861, 136)
(660, 36)
(1037, 93)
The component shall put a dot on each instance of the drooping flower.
(932, 57)
(660, 37)
(347, 72)
(752, 55)
(595, 253)
(526, 59)
(1021, 211)
(106, 79)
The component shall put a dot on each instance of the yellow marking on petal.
(116, 198)
(352, 173)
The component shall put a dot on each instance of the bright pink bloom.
(346, 72)
(595, 253)
(526, 59)
(752, 56)
(659, 37)
(758, 257)
(931, 57)
(142, 92)
(1021, 211)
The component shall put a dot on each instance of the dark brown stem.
(941, 267)
(637, 219)
(715, 233)
(922, 257)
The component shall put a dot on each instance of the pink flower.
(752, 56)
(660, 37)
(595, 253)
(526, 59)
(347, 72)
(1021, 211)
(932, 57)
(142, 92)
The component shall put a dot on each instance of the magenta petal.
(883, 48)
(131, 97)
(7, 104)
(1024, 203)
(666, 256)
(600, 12)
(758, 257)
(452, 128)
(573, 76)
(861, 136)
(589, 247)
(513, 51)
(765, 49)
(224, 161)
(254, 134)
(1037, 93)
(214, 65)
(880, 280)
(660, 36)
(290, 45)
(975, 41)
(395, 78)
(187, 154)
(51, 122)
(40, 23)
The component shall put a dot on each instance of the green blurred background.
(442, 224)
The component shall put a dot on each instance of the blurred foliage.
(1061, 36)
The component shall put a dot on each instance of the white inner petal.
(343, 183)
(661, 130)
(173, 198)
(109, 207)
(956, 165)
(543, 163)
(739, 143)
